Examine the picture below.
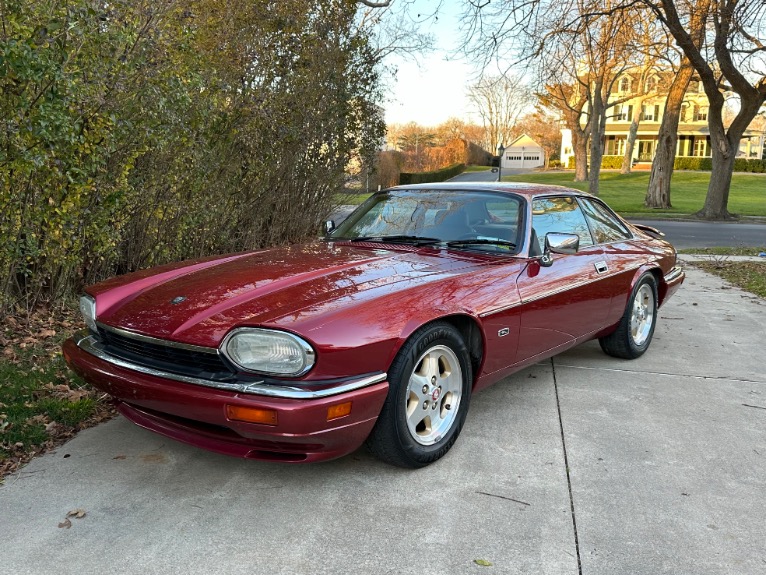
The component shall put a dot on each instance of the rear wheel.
(636, 328)
(428, 396)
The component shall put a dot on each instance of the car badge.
(178, 299)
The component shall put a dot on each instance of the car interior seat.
(452, 224)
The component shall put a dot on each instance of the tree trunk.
(717, 198)
(724, 147)
(598, 123)
(658, 192)
(627, 159)
(580, 146)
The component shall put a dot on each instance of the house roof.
(524, 141)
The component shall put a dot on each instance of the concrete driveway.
(583, 464)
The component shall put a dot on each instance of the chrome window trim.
(88, 343)
(157, 341)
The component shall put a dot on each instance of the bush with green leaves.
(137, 132)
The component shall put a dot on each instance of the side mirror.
(329, 226)
(556, 243)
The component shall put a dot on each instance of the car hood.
(200, 302)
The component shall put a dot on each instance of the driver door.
(568, 300)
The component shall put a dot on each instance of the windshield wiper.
(481, 241)
(417, 240)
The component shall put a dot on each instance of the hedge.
(435, 176)
(684, 163)
(611, 162)
(706, 164)
(688, 163)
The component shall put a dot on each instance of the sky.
(434, 89)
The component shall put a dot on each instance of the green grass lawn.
(625, 193)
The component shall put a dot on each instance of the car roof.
(518, 188)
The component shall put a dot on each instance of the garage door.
(524, 159)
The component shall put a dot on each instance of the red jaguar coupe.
(381, 331)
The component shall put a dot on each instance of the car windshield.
(461, 219)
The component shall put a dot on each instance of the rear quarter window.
(604, 225)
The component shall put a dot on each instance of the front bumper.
(671, 282)
(196, 414)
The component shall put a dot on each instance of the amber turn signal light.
(340, 410)
(251, 414)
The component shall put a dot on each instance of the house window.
(650, 113)
(684, 112)
(623, 113)
(702, 114)
(651, 84)
(625, 85)
(701, 147)
(615, 146)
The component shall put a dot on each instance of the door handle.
(601, 267)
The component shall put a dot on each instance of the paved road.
(660, 463)
(708, 234)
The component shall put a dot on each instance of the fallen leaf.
(66, 524)
(76, 395)
(47, 333)
(120, 457)
(482, 562)
(76, 513)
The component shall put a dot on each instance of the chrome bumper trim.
(91, 345)
(674, 274)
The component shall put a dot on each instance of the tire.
(428, 397)
(636, 328)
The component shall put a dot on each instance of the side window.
(606, 227)
(561, 215)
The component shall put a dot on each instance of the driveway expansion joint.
(566, 467)
(666, 374)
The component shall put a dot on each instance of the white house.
(693, 131)
(523, 152)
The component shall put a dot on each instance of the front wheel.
(636, 328)
(428, 397)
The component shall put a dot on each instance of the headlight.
(88, 310)
(268, 351)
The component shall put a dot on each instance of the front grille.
(165, 357)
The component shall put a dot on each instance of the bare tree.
(730, 58)
(396, 27)
(500, 101)
(569, 100)
(578, 49)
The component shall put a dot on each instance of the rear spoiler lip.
(654, 232)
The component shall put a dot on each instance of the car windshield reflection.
(457, 219)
